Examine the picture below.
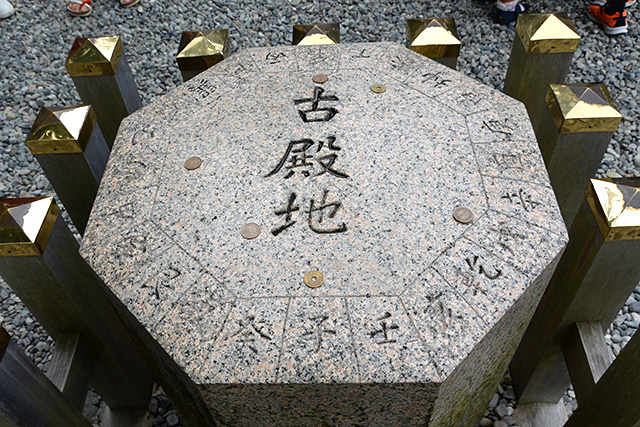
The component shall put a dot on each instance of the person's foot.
(627, 4)
(128, 3)
(6, 10)
(613, 24)
(507, 13)
(79, 7)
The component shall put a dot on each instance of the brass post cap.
(200, 50)
(316, 34)
(94, 56)
(616, 206)
(26, 224)
(61, 130)
(583, 107)
(547, 33)
(434, 37)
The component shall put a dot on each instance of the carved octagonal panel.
(357, 184)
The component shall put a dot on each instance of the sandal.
(81, 3)
(133, 3)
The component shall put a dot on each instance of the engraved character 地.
(317, 215)
(288, 215)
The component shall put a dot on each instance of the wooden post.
(68, 144)
(316, 34)
(542, 53)
(615, 400)
(103, 79)
(595, 275)
(200, 50)
(39, 260)
(71, 367)
(27, 397)
(587, 357)
(580, 121)
(435, 38)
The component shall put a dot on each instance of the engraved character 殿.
(317, 109)
(299, 155)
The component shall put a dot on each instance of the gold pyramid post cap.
(94, 56)
(316, 34)
(547, 33)
(61, 130)
(434, 37)
(200, 50)
(578, 108)
(26, 224)
(616, 206)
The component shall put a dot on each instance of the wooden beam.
(540, 414)
(615, 400)
(587, 357)
(27, 397)
(71, 367)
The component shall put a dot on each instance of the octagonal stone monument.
(226, 202)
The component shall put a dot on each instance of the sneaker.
(6, 10)
(611, 24)
(507, 17)
(627, 4)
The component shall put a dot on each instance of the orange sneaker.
(626, 5)
(611, 24)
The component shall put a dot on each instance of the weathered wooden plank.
(615, 400)
(64, 294)
(586, 356)
(540, 414)
(126, 417)
(71, 367)
(27, 397)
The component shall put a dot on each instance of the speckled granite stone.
(418, 314)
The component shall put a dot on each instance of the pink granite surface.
(360, 186)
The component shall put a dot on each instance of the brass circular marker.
(250, 230)
(378, 88)
(313, 279)
(193, 163)
(320, 78)
(463, 215)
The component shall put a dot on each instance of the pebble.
(485, 422)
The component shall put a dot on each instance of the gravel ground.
(35, 42)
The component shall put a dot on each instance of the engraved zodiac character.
(318, 330)
(384, 329)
